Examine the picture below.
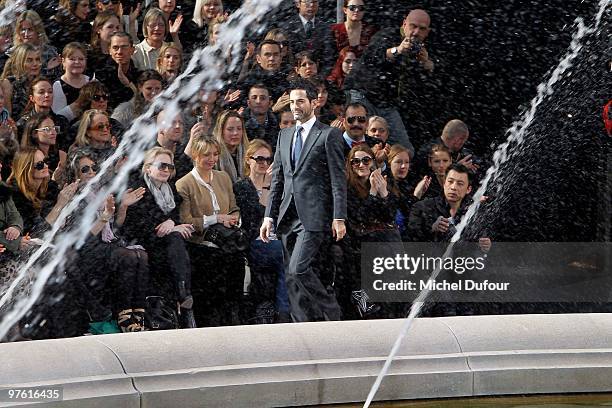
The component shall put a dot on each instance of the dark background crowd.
(166, 254)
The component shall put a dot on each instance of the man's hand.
(467, 162)
(441, 225)
(12, 233)
(484, 244)
(338, 229)
(281, 103)
(423, 58)
(265, 230)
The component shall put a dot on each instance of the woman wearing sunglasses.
(354, 31)
(267, 292)
(41, 132)
(152, 220)
(37, 198)
(371, 209)
(112, 276)
(95, 132)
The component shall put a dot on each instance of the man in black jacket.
(454, 136)
(309, 32)
(267, 71)
(434, 219)
(394, 60)
(259, 120)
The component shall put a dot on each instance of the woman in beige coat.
(208, 199)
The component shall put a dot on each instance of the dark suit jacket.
(320, 41)
(317, 186)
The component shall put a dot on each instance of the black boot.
(185, 307)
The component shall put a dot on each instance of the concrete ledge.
(321, 363)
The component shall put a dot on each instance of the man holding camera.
(394, 59)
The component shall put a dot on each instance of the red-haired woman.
(343, 67)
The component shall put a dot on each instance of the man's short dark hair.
(259, 85)
(460, 168)
(311, 91)
(355, 105)
(267, 42)
(121, 34)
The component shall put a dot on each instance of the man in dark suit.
(307, 31)
(307, 197)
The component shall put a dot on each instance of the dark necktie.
(309, 28)
(357, 143)
(297, 146)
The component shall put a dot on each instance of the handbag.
(159, 315)
(229, 240)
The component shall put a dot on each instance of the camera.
(415, 46)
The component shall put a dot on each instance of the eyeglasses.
(100, 97)
(262, 159)
(87, 169)
(163, 166)
(101, 127)
(356, 7)
(355, 162)
(283, 43)
(48, 129)
(41, 164)
(26, 30)
(352, 119)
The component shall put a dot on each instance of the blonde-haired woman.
(29, 29)
(170, 61)
(207, 201)
(21, 68)
(155, 27)
(229, 131)
(267, 292)
(154, 222)
(95, 131)
(66, 89)
(195, 33)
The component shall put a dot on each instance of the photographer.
(392, 62)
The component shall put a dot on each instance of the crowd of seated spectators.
(74, 81)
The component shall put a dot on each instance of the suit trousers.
(308, 297)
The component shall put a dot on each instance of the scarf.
(163, 195)
(226, 162)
